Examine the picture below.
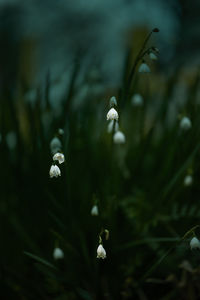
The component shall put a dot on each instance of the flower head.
(101, 253)
(144, 68)
(110, 126)
(188, 180)
(58, 253)
(119, 138)
(185, 123)
(59, 157)
(95, 210)
(55, 145)
(54, 171)
(194, 243)
(152, 56)
(137, 100)
(112, 114)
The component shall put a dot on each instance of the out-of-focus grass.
(138, 186)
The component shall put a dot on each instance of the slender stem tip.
(156, 30)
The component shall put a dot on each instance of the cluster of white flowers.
(113, 125)
(144, 68)
(56, 147)
(194, 243)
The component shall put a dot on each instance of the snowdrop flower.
(60, 131)
(112, 114)
(110, 126)
(152, 56)
(144, 68)
(194, 243)
(185, 123)
(137, 100)
(188, 180)
(58, 253)
(101, 252)
(55, 145)
(119, 138)
(59, 157)
(54, 171)
(95, 210)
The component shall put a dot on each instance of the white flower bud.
(60, 131)
(185, 123)
(137, 100)
(194, 243)
(113, 101)
(95, 210)
(54, 171)
(119, 138)
(59, 157)
(144, 68)
(58, 253)
(55, 145)
(101, 253)
(112, 114)
(152, 56)
(110, 126)
(188, 180)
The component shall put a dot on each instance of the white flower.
(101, 252)
(185, 123)
(112, 114)
(194, 243)
(152, 56)
(137, 100)
(61, 131)
(54, 171)
(188, 180)
(95, 211)
(119, 138)
(59, 157)
(144, 68)
(110, 126)
(58, 253)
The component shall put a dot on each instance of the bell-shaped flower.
(188, 180)
(95, 210)
(112, 114)
(185, 123)
(58, 253)
(59, 157)
(144, 68)
(137, 100)
(119, 137)
(194, 243)
(101, 252)
(54, 171)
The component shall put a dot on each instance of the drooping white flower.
(152, 56)
(188, 180)
(101, 252)
(194, 243)
(58, 253)
(119, 137)
(185, 123)
(60, 131)
(59, 157)
(54, 171)
(95, 210)
(137, 100)
(110, 126)
(55, 145)
(112, 114)
(144, 68)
